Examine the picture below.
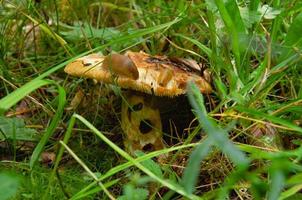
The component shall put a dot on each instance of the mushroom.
(144, 77)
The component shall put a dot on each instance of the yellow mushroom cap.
(156, 74)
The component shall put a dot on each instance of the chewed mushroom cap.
(157, 74)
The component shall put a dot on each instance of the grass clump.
(245, 142)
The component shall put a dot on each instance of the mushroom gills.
(141, 123)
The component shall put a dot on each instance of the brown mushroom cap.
(157, 74)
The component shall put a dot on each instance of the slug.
(120, 65)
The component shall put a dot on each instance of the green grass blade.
(285, 63)
(192, 170)
(293, 37)
(51, 128)
(95, 190)
(254, 4)
(151, 165)
(14, 97)
(231, 27)
(276, 23)
(291, 191)
(218, 135)
(47, 30)
(232, 7)
(65, 140)
(60, 155)
(264, 89)
(203, 47)
(277, 182)
(270, 118)
(9, 184)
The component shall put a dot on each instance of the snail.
(120, 65)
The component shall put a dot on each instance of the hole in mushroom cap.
(148, 147)
(137, 107)
(145, 126)
(182, 85)
(87, 64)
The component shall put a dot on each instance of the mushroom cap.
(158, 75)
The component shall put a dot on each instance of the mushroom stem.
(141, 123)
